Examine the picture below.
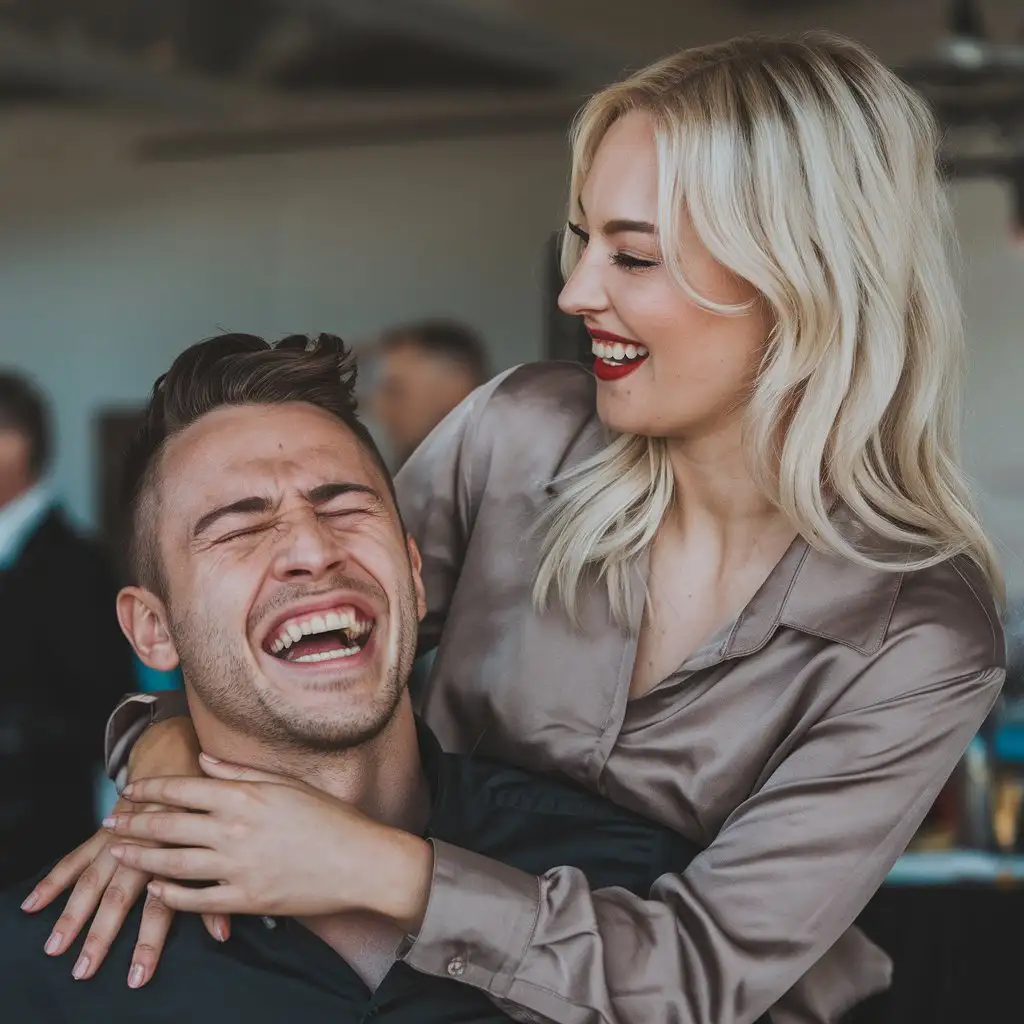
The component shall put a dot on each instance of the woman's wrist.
(170, 747)
(404, 877)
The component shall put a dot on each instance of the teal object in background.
(151, 680)
(1008, 745)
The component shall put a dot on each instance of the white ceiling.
(645, 29)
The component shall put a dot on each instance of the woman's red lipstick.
(608, 367)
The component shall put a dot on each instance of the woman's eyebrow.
(620, 225)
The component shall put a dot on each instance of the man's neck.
(382, 777)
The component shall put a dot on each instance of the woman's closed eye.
(628, 262)
(620, 259)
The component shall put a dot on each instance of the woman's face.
(691, 370)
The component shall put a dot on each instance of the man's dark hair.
(232, 370)
(445, 339)
(23, 408)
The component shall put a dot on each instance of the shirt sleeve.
(129, 720)
(786, 876)
(438, 490)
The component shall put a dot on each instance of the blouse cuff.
(480, 919)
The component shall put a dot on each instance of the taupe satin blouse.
(803, 744)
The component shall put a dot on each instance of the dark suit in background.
(63, 662)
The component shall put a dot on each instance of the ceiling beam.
(78, 69)
(488, 34)
(361, 122)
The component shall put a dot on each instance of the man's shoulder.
(485, 783)
(22, 937)
(39, 987)
(539, 821)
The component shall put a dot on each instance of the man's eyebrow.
(244, 506)
(326, 492)
(618, 225)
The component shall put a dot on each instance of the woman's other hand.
(105, 890)
(273, 846)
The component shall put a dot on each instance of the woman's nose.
(584, 291)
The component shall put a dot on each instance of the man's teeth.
(293, 630)
(341, 652)
(618, 351)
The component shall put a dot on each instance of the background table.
(957, 945)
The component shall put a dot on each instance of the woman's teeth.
(618, 351)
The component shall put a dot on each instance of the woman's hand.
(274, 846)
(106, 890)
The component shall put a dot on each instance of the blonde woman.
(732, 579)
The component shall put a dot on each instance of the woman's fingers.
(178, 828)
(194, 793)
(156, 923)
(85, 898)
(218, 925)
(223, 899)
(66, 872)
(190, 864)
(122, 893)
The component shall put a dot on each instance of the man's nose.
(308, 548)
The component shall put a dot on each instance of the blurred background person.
(425, 369)
(64, 658)
(422, 371)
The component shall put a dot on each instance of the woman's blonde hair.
(807, 168)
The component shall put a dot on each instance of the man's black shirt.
(275, 970)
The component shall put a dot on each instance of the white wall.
(993, 291)
(109, 267)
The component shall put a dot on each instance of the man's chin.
(333, 712)
(329, 730)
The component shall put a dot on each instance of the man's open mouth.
(325, 635)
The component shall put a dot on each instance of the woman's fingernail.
(81, 968)
(127, 791)
(212, 760)
(220, 933)
(53, 943)
(117, 851)
(136, 976)
(30, 901)
(110, 822)
(154, 890)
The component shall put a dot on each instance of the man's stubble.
(222, 679)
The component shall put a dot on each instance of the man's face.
(414, 391)
(291, 598)
(15, 459)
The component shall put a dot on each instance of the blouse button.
(456, 967)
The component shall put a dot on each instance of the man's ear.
(143, 620)
(416, 561)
